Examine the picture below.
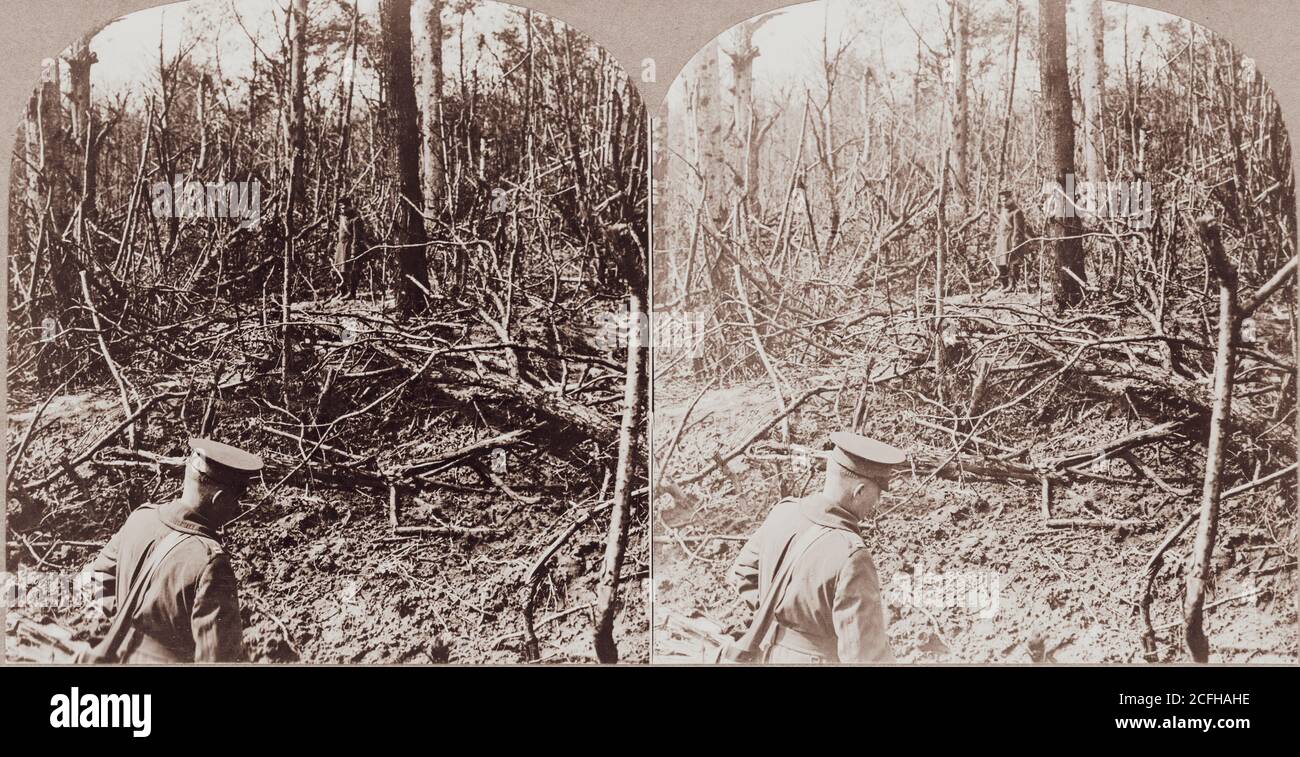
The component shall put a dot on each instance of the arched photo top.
(1045, 252)
(390, 251)
(854, 61)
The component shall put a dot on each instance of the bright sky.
(791, 44)
(128, 48)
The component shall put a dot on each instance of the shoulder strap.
(108, 647)
(765, 615)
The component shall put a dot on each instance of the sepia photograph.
(326, 340)
(974, 341)
(401, 336)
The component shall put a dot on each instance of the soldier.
(1009, 246)
(351, 248)
(166, 579)
(829, 609)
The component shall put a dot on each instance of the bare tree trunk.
(708, 121)
(659, 167)
(747, 113)
(201, 119)
(80, 59)
(1220, 417)
(297, 115)
(395, 26)
(45, 153)
(960, 101)
(432, 80)
(1011, 98)
(1094, 90)
(46, 195)
(1063, 228)
(345, 112)
(629, 453)
(297, 95)
(940, 263)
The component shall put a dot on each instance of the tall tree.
(345, 110)
(395, 29)
(1062, 225)
(1094, 90)
(708, 132)
(960, 20)
(432, 83)
(47, 197)
(44, 145)
(79, 59)
(297, 98)
(1013, 62)
(747, 113)
(297, 146)
(659, 166)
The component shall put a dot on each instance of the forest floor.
(1057, 594)
(322, 576)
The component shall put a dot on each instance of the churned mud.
(969, 569)
(322, 576)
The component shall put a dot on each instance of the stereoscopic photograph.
(974, 341)
(381, 333)
(326, 340)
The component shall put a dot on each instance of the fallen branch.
(108, 359)
(756, 435)
(1097, 523)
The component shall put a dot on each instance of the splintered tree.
(709, 161)
(79, 59)
(412, 285)
(432, 83)
(45, 146)
(1063, 230)
(960, 21)
(1093, 61)
(47, 200)
(748, 128)
(297, 117)
(297, 106)
(630, 441)
(1220, 418)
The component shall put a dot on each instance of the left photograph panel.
(325, 341)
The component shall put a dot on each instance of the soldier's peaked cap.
(223, 462)
(864, 456)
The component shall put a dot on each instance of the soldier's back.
(191, 585)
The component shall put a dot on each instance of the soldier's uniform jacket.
(1012, 237)
(831, 611)
(189, 611)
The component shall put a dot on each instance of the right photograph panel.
(973, 341)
